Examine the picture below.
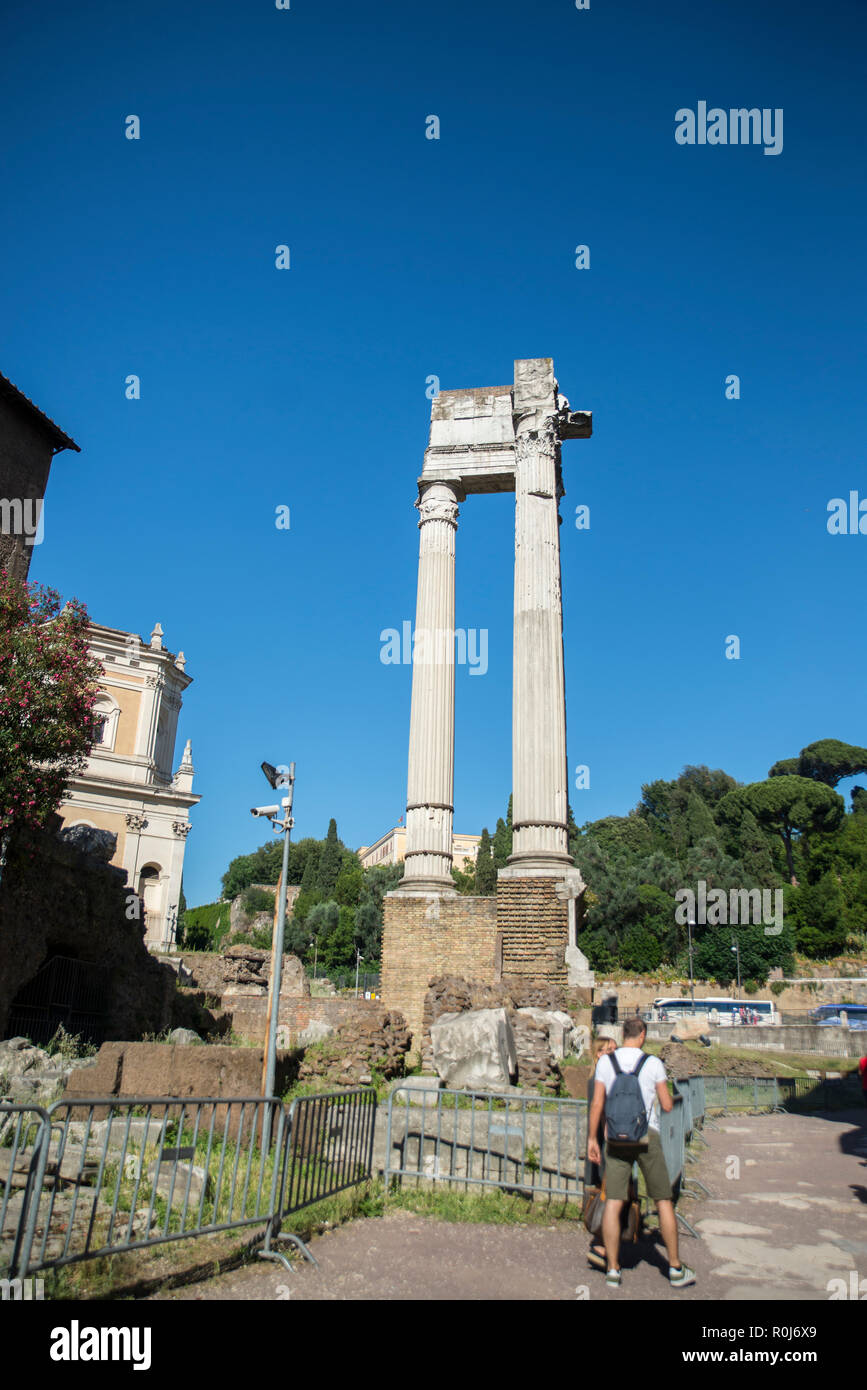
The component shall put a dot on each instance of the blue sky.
(412, 257)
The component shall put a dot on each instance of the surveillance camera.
(264, 810)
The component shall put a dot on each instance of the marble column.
(430, 789)
(539, 767)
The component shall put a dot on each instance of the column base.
(538, 864)
(443, 887)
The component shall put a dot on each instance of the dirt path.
(788, 1212)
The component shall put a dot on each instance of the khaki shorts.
(651, 1162)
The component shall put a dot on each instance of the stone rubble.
(356, 1050)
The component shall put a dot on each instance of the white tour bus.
(718, 1010)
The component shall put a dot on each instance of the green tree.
(790, 805)
(330, 861)
(755, 853)
(48, 685)
(828, 760)
(349, 888)
(700, 823)
(501, 845)
(486, 870)
(818, 914)
(759, 953)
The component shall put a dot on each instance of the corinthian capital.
(541, 439)
(438, 503)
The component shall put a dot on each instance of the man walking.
(862, 1067)
(630, 1086)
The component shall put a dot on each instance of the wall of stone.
(427, 936)
(57, 901)
(25, 460)
(796, 997)
(206, 968)
(250, 1012)
(534, 924)
(797, 1037)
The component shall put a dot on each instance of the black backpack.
(625, 1111)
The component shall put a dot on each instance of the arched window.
(105, 716)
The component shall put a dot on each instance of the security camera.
(264, 810)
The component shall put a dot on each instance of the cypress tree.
(502, 841)
(486, 869)
(329, 862)
(700, 824)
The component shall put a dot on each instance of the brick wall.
(250, 1012)
(424, 937)
(534, 925)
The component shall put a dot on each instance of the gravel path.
(788, 1213)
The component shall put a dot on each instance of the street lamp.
(357, 963)
(689, 926)
(281, 779)
(736, 947)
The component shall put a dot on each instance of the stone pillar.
(539, 768)
(430, 789)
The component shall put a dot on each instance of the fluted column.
(430, 786)
(539, 767)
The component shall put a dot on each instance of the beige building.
(128, 785)
(391, 847)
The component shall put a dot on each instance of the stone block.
(474, 1051)
(417, 1090)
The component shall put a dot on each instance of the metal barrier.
(528, 1144)
(101, 1176)
(672, 1134)
(23, 1159)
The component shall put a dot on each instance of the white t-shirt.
(651, 1074)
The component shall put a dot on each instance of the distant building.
(390, 849)
(28, 443)
(128, 785)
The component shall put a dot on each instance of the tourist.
(593, 1177)
(862, 1067)
(647, 1152)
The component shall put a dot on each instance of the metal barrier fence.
(330, 1146)
(528, 1144)
(772, 1094)
(92, 1177)
(672, 1134)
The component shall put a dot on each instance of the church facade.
(129, 785)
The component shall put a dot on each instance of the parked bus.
(718, 1009)
(827, 1015)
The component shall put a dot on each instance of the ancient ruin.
(483, 440)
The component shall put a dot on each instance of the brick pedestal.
(424, 936)
(534, 926)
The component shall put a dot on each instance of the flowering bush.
(47, 692)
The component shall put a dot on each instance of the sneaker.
(679, 1278)
(613, 1279)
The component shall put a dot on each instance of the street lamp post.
(736, 947)
(281, 779)
(357, 963)
(689, 926)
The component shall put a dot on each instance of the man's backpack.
(625, 1112)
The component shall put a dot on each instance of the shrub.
(257, 900)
